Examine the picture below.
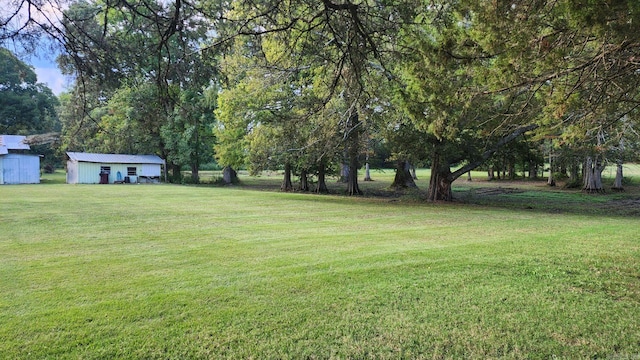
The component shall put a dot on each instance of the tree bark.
(412, 169)
(229, 175)
(195, 174)
(304, 181)
(441, 179)
(195, 161)
(490, 174)
(403, 178)
(593, 176)
(367, 173)
(512, 170)
(344, 173)
(353, 144)
(551, 181)
(617, 183)
(287, 185)
(533, 170)
(504, 168)
(322, 184)
(352, 181)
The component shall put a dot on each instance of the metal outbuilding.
(91, 168)
(17, 166)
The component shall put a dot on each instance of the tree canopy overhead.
(306, 85)
(139, 70)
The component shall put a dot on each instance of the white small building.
(16, 166)
(90, 168)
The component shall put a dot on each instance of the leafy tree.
(235, 120)
(581, 56)
(446, 98)
(138, 67)
(130, 121)
(409, 147)
(470, 76)
(283, 37)
(275, 113)
(26, 107)
(188, 135)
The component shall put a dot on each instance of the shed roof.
(115, 158)
(12, 142)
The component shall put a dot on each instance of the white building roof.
(115, 158)
(12, 142)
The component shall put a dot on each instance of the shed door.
(11, 172)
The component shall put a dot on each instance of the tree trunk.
(195, 175)
(367, 173)
(195, 162)
(353, 152)
(352, 186)
(322, 184)
(344, 173)
(593, 176)
(440, 181)
(304, 181)
(617, 183)
(352, 181)
(412, 169)
(551, 181)
(229, 176)
(469, 176)
(403, 178)
(533, 170)
(574, 172)
(287, 185)
(512, 170)
(490, 175)
(176, 174)
(441, 175)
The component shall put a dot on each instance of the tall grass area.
(183, 272)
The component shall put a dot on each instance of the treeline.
(319, 88)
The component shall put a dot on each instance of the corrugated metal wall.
(72, 172)
(20, 169)
(87, 173)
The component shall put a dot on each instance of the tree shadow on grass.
(552, 201)
(522, 195)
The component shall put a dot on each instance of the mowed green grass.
(180, 272)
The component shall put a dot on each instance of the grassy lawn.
(181, 272)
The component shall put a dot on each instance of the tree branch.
(488, 153)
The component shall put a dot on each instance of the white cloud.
(53, 78)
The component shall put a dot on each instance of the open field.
(182, 272)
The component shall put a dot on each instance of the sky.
(48, 73)
(43, 61)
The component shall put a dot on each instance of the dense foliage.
(308, 87)
(26, 106)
